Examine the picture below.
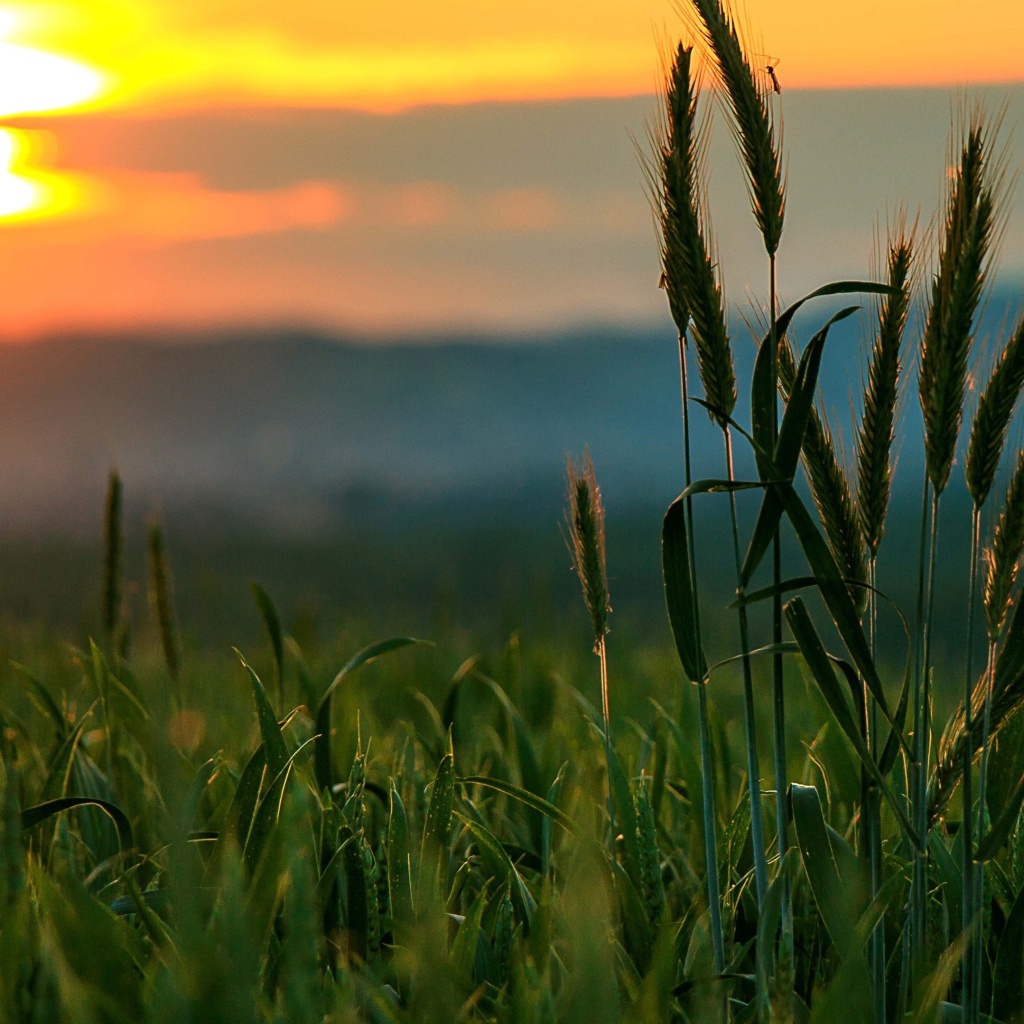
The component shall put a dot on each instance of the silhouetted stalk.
(922, 743)
(873, 809)
(979, 873)
(970, 976)
(706, 766)
(778, 697)
(917, 796)
(749, 716)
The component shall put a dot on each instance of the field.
(759, 758)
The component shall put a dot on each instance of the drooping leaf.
(322, 756)
(524, 797)
(679, 596)
(786, 453)
(32, 816)
(501, 867)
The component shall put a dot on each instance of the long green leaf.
(434, 847)
(837, 599)
(274, 747)
(501, 867)
(834, 897)
(524, 797)
(273, 623)
(786, 455)
(996, 837)
(399, 872)
(763, 397)
(820, 665)
(679, 596)
(322, 756)
(269, 810)
(32, 816)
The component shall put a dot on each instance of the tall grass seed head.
(585, 522)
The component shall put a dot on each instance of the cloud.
(175, 207)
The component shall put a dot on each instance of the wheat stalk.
(956, 292)
(689, 266)
(995, 408)
(877, 427)
(585, 522)
(112, 556)
(753, 124)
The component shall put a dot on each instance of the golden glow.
(202, 53)
(34, 82)
(28, 192)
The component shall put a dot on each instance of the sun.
(35, 82)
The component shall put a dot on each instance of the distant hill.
(300, 432)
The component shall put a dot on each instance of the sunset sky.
(406, 166)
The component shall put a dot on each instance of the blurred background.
(336, 287)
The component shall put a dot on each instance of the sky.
(451, 166)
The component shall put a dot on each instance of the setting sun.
(34, 82)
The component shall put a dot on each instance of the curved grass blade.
(32, 816)
(997, 835)
(524, 796)
(820, 664)
(274, 747)
(679, 596)
(763, 397)
(269, 811)
(322, 755)
(786, 454)
(273, 623)
(501, 867)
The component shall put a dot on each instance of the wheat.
(995, 408)
(753, 123)
(689, 267)
(877, 426)
(956, 293)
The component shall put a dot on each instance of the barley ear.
(161, 593)
(585, 522)
(995, 408)
(957, 287)
(753, 124)
(689, 266)
(1003, 557)
(877, 426)
(112, 555)
(829, 488)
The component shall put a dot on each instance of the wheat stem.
(749, 714)
(970, 978)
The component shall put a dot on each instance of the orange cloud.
(200, 53)
(168, 207)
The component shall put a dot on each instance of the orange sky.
(82, 223)
(194, 53)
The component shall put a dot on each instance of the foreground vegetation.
(184, 840)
